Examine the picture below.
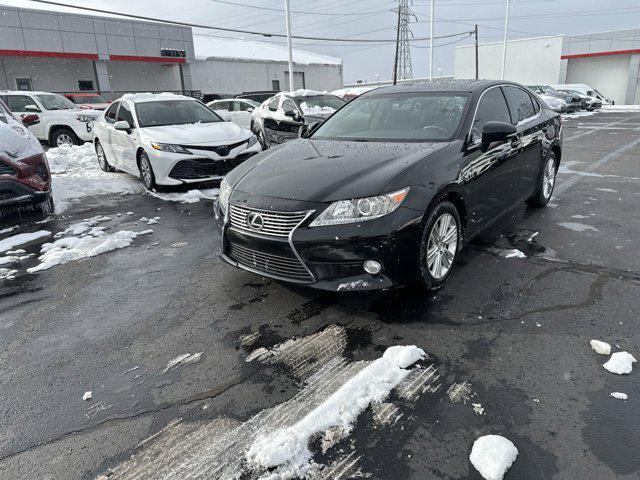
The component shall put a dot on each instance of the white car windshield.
(174, 112)
(52, 101)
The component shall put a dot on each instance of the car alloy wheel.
(442, 246)
(64, 139)
(101, 158)
(146, 171)
(549, 177)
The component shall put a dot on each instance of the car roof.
(447, 85)
(25, 92)
(152, 97)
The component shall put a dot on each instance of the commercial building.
(606, 61)
(61, 52)
(227, 66)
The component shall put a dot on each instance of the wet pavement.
(509, 334)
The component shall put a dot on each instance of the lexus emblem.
(255, 221)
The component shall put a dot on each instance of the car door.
(105, 132)
(490, 171)
(17, 104)
(241, 113)
(525, 110)
(123, 142)
(269, 121)
(288, 127)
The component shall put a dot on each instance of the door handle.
(516, 142)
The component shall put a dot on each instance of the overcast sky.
(375, 19)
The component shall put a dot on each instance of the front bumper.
(14, 194)
(202, 166)
(327, 257)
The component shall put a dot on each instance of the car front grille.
(6, 170)
(222, 150)
(198, 168)
(287, 268)
(274, 224)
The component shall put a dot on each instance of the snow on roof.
(207, 46)
(151, 97)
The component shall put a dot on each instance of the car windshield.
(397, 117)
(319, 104)
(548, 89)
(89, 99)
(174, 112)
(52, 101)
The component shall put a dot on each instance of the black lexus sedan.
(389, 188)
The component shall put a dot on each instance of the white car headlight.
(224, 195)
(252, 141)
(81, 117)
(170, 147)
(360, 209)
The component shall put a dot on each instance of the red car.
(88, 101)
(25, 179)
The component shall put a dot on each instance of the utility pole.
(288, 22)
(504, 42)
(475, 31)
(395, 62)
(431, 42)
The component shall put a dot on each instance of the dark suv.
(25, 179)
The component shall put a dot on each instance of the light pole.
(288, 22)
(504, 41)
(431, 42)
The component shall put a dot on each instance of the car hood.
(198, 133)
(325, 170)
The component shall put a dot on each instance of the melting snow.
(492, 456)
(478, 409)
(600, 189)
(619, 395)
(7, 230)
(183, 359)
(87, 396)
(514, 253)
(7, 274)
(287, 448)
(620, 363)
(577, 227)
(22, 238)
(191, 196)
(602, 348)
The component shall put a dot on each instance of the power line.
(234, 30)
(244, 5)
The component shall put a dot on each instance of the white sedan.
(169, 139)
(236, 110)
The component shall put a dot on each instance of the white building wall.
(531, 60)
(143, 76)
(236, 76)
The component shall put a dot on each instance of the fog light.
(372, 267)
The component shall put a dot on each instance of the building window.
(23, 84)
(298, 80)
(275, 85)
(85, 85)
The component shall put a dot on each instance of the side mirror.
(122, 125)
(31, 108)
(30, 119)
(497, 132)
(250, 109)
(305, 131)
(291, 113)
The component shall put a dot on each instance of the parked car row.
(571, 97)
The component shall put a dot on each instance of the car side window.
(124, 114)
(492, 108)
(536, 105)
(288, 105)
(220, 106)
(234, 106)
(243, 106)
(520, 103)
(18, 102)
(110, 114)
(273, 104)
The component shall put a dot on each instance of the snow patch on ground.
(7, 274)
(7, 230)
(492, 456)
(183, 359)
(287, 449)
(620, 363)
(621, 108)
(460, 392)
(602, 348)
(577, 227)
(22, 238)
(619, 395)
(602, 189)
(192, 196)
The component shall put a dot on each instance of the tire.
(105, 166)
(147, 176)
(64, 136)
(440, 244)
(546, 183)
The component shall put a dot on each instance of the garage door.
(608, 74)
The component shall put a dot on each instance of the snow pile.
(602, 348)
(352, 91)
(85, 227)
(514, 253)
(69, 249)
(619, 395)
(67, 158)
(287, 448)
(13, 258)
(620, 363)
(492, 456)
(22, 238)
(147, 96)
(7, 273)
(316, 110)
(191, 196)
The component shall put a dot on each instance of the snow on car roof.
(153, 97)
(207, 46)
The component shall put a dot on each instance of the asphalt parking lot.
(508, 334)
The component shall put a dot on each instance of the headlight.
(252, 141)
(360, 209)
(170, 147)
(224, 195)
(85, 118)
